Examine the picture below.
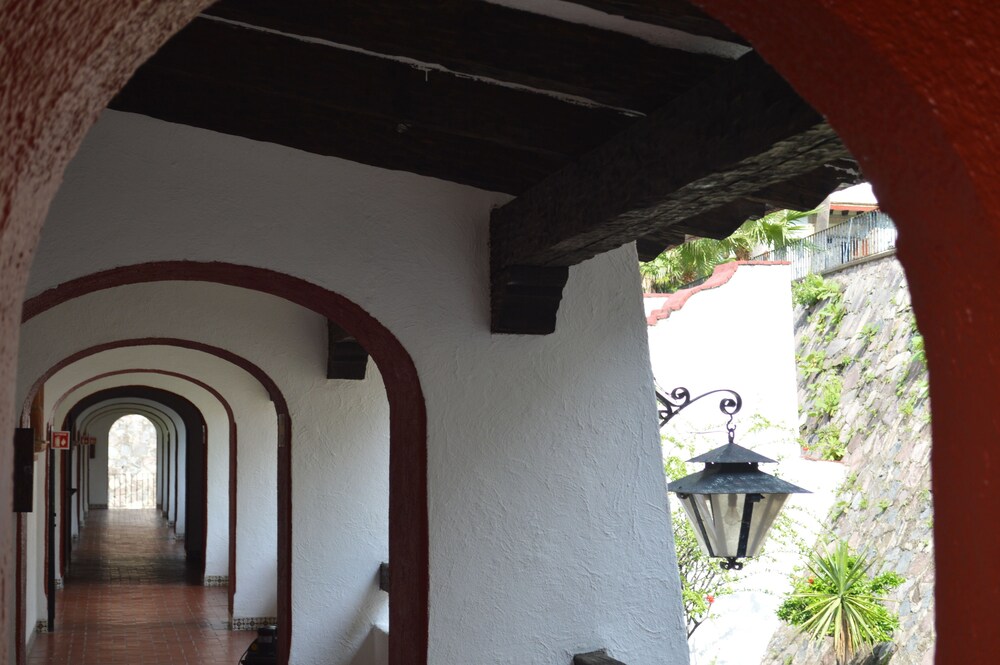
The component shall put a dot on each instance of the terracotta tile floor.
(129, 599)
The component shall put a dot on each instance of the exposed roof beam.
(707, 152)
(377, 111)
(676, 14)
(487, 40)
(346, 358)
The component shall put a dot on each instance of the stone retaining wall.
(882, 418)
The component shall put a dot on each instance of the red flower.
(710, 598)
(811, 579)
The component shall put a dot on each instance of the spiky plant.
(840, 600)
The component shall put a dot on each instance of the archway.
(266, 382)
(946, 164)
(408, 537)
(132, 463)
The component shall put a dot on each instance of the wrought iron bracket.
(678, 399)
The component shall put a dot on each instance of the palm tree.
(697, 257)
(775, 230)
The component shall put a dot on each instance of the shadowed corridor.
(129, 598)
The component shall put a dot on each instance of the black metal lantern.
(731, 502)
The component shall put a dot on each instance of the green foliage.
(838, 509)
(812, 289)
(838, 599)
(868, 332)
(702, 580)
(829, 445)
(697, 258)
(863, 505)
(907, 407)
(813, 362)
(917, 348)
(883, 505)
(830, 317)
(827, 399)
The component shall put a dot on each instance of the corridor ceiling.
(609, 120)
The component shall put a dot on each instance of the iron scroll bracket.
(678, 399)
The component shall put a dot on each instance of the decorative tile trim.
(42, 626)
(60, 584)
(251, 623)
(215, 580)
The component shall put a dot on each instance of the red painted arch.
(408, 520)
(274, 393)
(233, 452)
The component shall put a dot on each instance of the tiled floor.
(129, 600)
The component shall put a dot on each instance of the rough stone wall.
(883, 418)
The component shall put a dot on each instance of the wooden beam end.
(525, 299)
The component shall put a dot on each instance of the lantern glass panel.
(718, 521)
(764, 513)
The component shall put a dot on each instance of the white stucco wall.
(740, 336)
(737, 336)
(549, 530)
(341, 478)
(34, 600)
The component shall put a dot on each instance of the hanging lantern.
(731, 503)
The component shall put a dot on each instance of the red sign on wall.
(60, 440)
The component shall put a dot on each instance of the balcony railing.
(128, 490)
(861, 237)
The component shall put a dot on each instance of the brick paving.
(130, 599)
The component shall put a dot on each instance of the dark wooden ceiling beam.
(346, 358)
(483, 39)
(373, 110)
(715, 223)
(676, 14)
(699, 158)
(808, 190)
(803, 192)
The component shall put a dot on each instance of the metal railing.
(860, 237)
(126, 490)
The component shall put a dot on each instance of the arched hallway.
(130, 597)
(455, 189)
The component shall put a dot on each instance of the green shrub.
(830, 316)
(827, 399)
(813, 362)
(812, 289)
(829, 445)
(917, 348)
(868, 332)
(838, 599)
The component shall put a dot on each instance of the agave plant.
(839, 599)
